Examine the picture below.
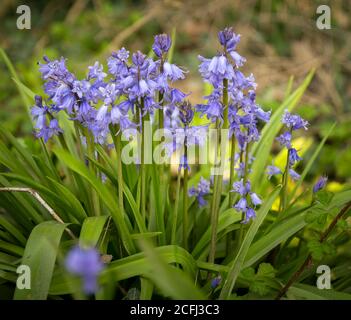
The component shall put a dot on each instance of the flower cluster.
(87, 264)
(233, 101)
(200, 191)
(248, 200)
(44, 128)
(291, 122)
(127, 91)
(222, 71)
(137, 87)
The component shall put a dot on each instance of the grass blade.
(237, 264)
(40, 255)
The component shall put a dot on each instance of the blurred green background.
(279, 39)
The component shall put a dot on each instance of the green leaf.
(23, 152)
(316, 249)
(226, 219)
(282, 231)
(340, 199)
(12, 229)
(133, 266)
(266, 270)
(103, 192)
(92, 230)
(304, 291)
(324, 197)
(170, 280)
(237, 264)
(24, 94)
(76, 207)
(40, 255)
(263, 281)
(11, 248)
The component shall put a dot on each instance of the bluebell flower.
(161, 45)
(173, 72)
(122, 119)
(202, 189)
(294, 175)
(237, 58)
(96, 72)
(320, 184)
(39, 112)
(249, 215)
(272, 171)
(216, 69)
(176, 96)
(256, 201)
(228, 39)
(215, 282)
(118, 63)
(285, 139)
(48, 131)
(140, 82)
(87, 264)
(294, 121)
(109, 93)
(186, 113)
(183, 163)
(214, 107)
(239, 188)
(55, 69)
(262, 115)
(240, 169)
(102, 114)
(126, 105)
(293, 156)
(246, 197)
(241, 205)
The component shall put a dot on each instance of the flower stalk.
(185, 199)
(218, 180)
(116, 136)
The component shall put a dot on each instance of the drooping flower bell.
(320, 184)
(200, 191)
(161, 45)
(87, 264)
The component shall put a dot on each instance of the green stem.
(175, 213)
(162, 188)
(232, 171)
(160, 111)
(285, 179)
(217, 189)
(49, 160)
(116, 136)
(142, 165)
(229, 236)
(91, 154)
(79, 141)
(185, 201)
(242, 226)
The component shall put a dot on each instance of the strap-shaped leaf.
(40, 256)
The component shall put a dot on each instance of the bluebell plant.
(139, 94)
